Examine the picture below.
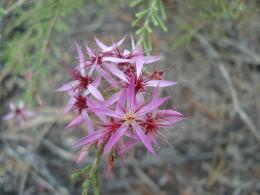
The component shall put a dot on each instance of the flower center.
(81, 103)
(129, 117)
(84, 81)
(150, 124)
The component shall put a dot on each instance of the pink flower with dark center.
(130, 112)
(142, 80)
(19, 113)
(83, 83)
(95, 60)
(125, 117)
(80, 104)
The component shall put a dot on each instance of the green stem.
(93, 170)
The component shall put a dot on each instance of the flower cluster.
(127, 110)
(18, 113)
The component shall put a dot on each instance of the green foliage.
(95, 183)
(151, 16)
(204, 12)
(31, 35)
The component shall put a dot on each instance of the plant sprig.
(152, 16)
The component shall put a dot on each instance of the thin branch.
(216, 57)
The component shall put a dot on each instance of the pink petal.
(152, 106)
(152, 59)
(88, 121)
(8, 117)
(90, 51)
(29, 113)
(116, 72)
(90, 138)
(160, 83)
(68, 86)
(76, 121)
(132, 43)
(139, 64)
(115, 137)
(93, 67)
(96, 82)
(114, 59)
(107, 76)
(67, 108)
(11, 105)
(119, 43)
(121, 155)
(95, 92)
(121, 101)
(170, 113)
(101, 45)
(128, 146)
(81, 57)
(146, 141)
(104, 111)
(114, 98)
(131, 93)
(83, 153)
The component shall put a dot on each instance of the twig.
(247, 51)
(216, 57)
(14, 6)
(146, 179)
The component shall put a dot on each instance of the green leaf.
(135, 3)
(141, 14)
(75, 176)
(161, 23)
(95, 183)
(85, 187)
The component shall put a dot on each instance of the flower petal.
(115, 137)
(90, 138)
(139, 64)
(101, 45)
(68, 86)
(160, 83)
(116, 72)
(88, 121)
(107, 76)
(131, 93)
(96, 82)
(104, 111)
(128, 146)
(8, 117)
(81, 57)
(114, 59)
(76, 121)
(83, 153)
(145, 139)
(95, 92)
(132, 43)
(114, 98)
(152, 106)
(152, 59)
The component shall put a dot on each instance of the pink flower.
(131, 113)
(95, 60)
(18, 113)
(123, 116)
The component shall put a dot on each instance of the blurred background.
(211, 48)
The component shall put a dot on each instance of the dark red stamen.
(111, 128)
(81, 103)
(84, 81)
(150, 124)
(157, 75)
(18, 111)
